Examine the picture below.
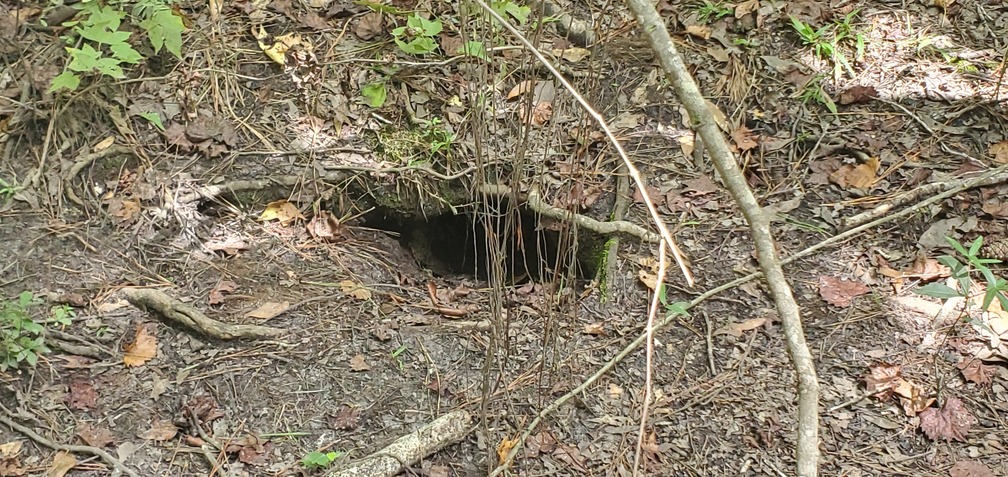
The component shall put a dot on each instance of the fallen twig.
(409, 449)
(950, 187)
(535, 203)
(105, 456)
(807, 445)
(189, 317)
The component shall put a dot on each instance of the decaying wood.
(186, 315)
(409, 449)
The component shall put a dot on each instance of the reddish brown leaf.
(160, 430)
(82, 396)
(882, 378)
(838, 292)
(224, 287)
(857, 95)
(95, 436)
(970, 468)
(976, 371)
(951, 422)
(346, 418)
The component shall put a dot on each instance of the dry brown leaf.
(649, 279)
(370, 25)
(282, 211)
(359, 363)
(882, 378)
(999, 152)
(745, 138)
(976, 371)
(745, 7)
(268, 310)
(702, 32)
(572, 54)
(520, 89)
(95, 436)
(860, 176)
(355, 290)
(62, 462)
(142, 349)
(737, 329)
(540, 114)
(160, 430)
(912, 397)
(996, 208)
(970, 468)
(952, 422)
(840, 293)
(325, 226)
(594, 329)
(224, 287)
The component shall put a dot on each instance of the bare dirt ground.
(395, 283)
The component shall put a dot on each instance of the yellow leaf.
(355, 290)
(142, 349)
(282, 211)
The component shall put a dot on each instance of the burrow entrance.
(460, 244)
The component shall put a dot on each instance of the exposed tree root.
(188, 316)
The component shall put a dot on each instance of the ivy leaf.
(66, 80)
(101, 34)
(164, 29)
(475, 49)
(125, 53)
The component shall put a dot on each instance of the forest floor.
(320, 201)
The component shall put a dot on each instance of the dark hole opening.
(457, 244)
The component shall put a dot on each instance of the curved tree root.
(186, 315)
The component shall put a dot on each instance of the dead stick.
(409, 449)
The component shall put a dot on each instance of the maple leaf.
(951, 422)
(976, 371)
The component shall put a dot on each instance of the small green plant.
(962, 273)
(829, 41)
(374, 94)
(319, 460)
(97, 46)
(23, 337)
(438, 139)
(814, 91)
(508, 8)
(711, 11)
(417, 37)
(7, 190)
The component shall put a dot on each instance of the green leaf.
(125, 53)
(164, 29)
(938, 290)
(83, 59)
(316, 460)
(957, 246)
(110, 67)
(153, 118)
(975, 246)
(66, 80)
(678, 308)
(100, 34)
(374, 94)
(475, 49)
